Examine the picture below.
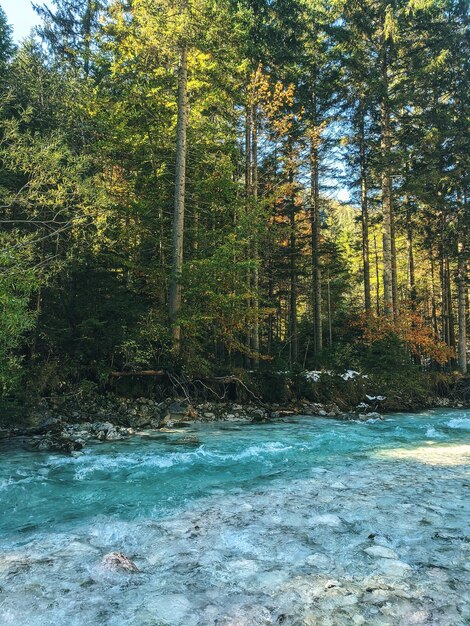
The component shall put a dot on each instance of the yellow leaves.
(441, 60)
(314, 134)
(273, 100)
(390, 29)
(420, 5)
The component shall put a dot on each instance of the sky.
(21, 16)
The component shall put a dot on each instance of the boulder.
(381, 552)
(118, 561)
(56, 443)
(327, 519)
(394, 567)
(104, 431)
(179, 407)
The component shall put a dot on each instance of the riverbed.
(302, 521)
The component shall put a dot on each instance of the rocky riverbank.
(67, 424)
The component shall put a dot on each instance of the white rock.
(381, 552)
(317, 560)
(339, 485)
(393, 567)
(118, 561)
(328, 519)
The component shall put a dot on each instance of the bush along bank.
(67, 423)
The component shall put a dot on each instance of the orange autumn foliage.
(411, 329)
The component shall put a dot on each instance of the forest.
(234, 313)
(219, 187)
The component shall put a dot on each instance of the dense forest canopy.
(172, 185)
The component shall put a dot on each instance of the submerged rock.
(185, 441)
(394, 567)
(118, 561)
(328, 519)
(381, 552)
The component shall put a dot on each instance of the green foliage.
(18, 281)
(87, 152)
(6, 42)
(386, 357)
(271, 386)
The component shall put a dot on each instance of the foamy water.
(301, 522)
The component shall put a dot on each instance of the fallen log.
(206, 379)
(139, 373)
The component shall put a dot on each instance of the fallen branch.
(140, 373)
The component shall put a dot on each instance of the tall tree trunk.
(87, 24)
(444, 316)
(248, 200)
(462, 314)
(270, 329)
(315, 217)
(450, 307)
(433, 295)
(364, 210)
(330, 320)
(315, 226)
(377, 276)
(248, 114)
(174, 304)
(462, 286)
(387, 227)
(293, 339)
(394, 267)
(411, 260)
(255, 247)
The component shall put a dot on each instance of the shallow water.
(298, 522)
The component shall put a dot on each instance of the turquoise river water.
(301, 522)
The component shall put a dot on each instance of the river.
(301, 522)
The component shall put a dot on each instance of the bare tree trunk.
(433, 296)
(450, 307)
(462, 287)
(364, 211)
(174, 304)
(270, 330)
(254, 181)
(444, 316)
(248, 199)
(87, 19)
(386, 191)
(411, 261)
(293, 339)
(462, 314)
(394, 266)
(330, 321)
(248, 114)
(315, 225)
(377, 276)
(196, 231)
